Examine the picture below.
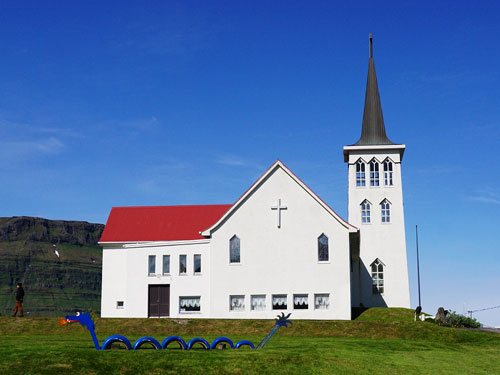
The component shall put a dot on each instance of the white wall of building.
(281, 260)
(385, 241)
(126, 277)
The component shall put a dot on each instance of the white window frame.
(180, 263)
(189, 311)
(163, 264)
(360, 173)
(194, 265)
(236, 238)
(374, 173)
(377, 274)
(260, 297)
(385, 211)
(149, 265)
(366, 212)
(388, 172)
(279, 296)
(322, 235)
(237, 299)
(301, 296)
(318, 305)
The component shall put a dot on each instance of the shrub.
(461, 321)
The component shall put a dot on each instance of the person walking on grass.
(19, 300)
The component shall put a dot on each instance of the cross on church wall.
(278, 209)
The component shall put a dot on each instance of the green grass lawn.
(381, 341)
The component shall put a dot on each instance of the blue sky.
(185, 102)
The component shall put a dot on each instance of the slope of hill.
(53, 285)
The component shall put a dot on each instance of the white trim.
(128, 244)
(278, 164)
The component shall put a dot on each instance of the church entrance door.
(159, 301)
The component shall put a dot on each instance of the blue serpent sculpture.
(86, 320)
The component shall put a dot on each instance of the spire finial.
(371, 45)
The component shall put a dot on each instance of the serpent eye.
(78, 313)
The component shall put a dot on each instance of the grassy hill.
(53, 285)
(384, 341)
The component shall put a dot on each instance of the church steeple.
(373, 128)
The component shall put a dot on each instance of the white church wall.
(281, 261)
(126, 278)
(385, 241)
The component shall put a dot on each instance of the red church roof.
(160, 223)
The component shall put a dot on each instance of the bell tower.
(375, 205)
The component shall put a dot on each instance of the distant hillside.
(53, 286)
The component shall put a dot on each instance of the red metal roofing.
(160, 223)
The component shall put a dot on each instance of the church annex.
(278, 248)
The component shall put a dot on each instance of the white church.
(278, 248)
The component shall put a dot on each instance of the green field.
(381, 341)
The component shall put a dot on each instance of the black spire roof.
(373, 128)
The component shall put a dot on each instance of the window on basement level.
(152, 265)
(279, 302)
(386, 211)
(189, 304)
(365, 212)
(182, 264)
(258, 302)
(360, 173)
(387, 172)
(234, 250)
(321, 301)
(323, 255)
(300, 302)
(119, 304)
(374, 173)
(166, 264)
(377, 268)
(237, 303)
(197, 263)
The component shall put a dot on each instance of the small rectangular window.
(321, 301)
(189, 304)
(258, 302)
(300, 302)
(152, 265)
(279, 302)
(119, 304)
(182, 264)
(237, 303)
(166, 264)
(197, 263)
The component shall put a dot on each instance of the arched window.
(365, 212)
(323, 255)
(374, 173)
(377, 277)
(234, 249)
(360, 173)
(388, 172)
(386, 211)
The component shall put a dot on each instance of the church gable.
(283, 180)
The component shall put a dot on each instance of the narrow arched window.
(377, 271)
(360, 173)
(234, 250)
(323, 255)
(365, 212)
(374, 173)
(387, 172)
(386, 211)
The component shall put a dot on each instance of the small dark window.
(323, 255)
(182, 264)
(300, 302)
(152, 265)
(279, 302)
(234, 250)
(166, 264)
(197, 263)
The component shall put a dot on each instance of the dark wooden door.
(159, 301)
